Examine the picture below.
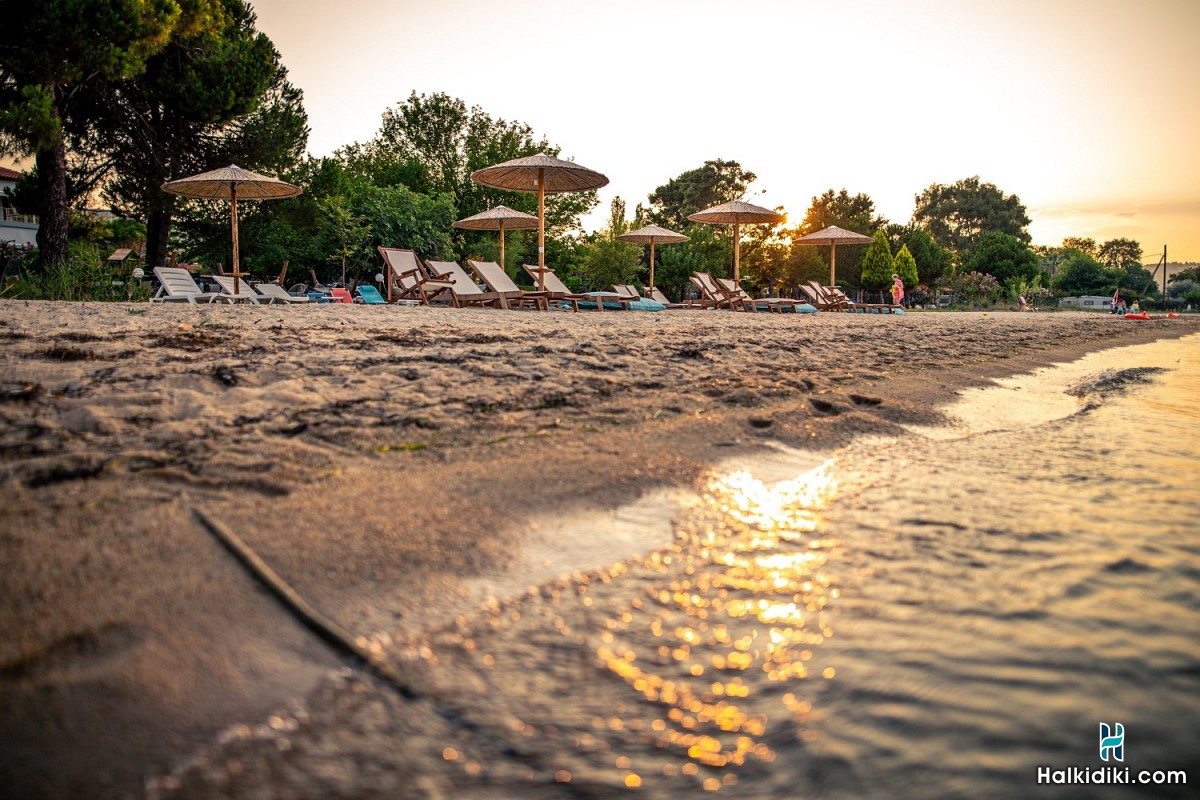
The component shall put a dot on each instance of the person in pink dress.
(897, 290)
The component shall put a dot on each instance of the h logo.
(1112, 742)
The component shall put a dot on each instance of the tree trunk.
(158, 227)
(52, 186)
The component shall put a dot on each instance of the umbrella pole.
(502, 244)
(541, 230)
(237, 269)
(737, 248)
(652, 265)
(832, 264)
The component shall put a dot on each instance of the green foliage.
(957, 215)
(51, 53)
(607, 260)
(933, 261)
(346, 231)
(1189, 274)
(1080, 274)
(906, 267)
(1004, 256)
(216, 94)
(975, 288)
(850, 212)
(705, 251)
(877, 264)
(82, 276)
(432, 143)
(1080, 243)
(1120, 254)
(712, 184)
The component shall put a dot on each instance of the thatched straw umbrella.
(232, 183)
(833, 236)
(649, 235)
(541, 174)
(498, 219)
(737, 213)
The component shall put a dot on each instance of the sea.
(1006, 606)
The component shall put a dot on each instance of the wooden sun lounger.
(498, 281)
(559, 293)
(717, 295)
(406, 279)
(464, 288)
(776, 304)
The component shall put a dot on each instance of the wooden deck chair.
(466, 290)
(406, 279)
(821, 300)
(776, 304)
(176, 284)
(558, 290)
(836, 295)
(241, 293)
(719, 296)
(273, 293)
(497, 280)
(657, 295)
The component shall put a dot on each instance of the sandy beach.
(390, 464)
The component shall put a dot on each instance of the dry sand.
(387, 462)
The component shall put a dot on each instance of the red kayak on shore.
(1142, 315)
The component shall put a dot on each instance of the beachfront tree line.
(182, 86)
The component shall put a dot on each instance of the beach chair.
(558, 291)
(820, 300)
(717, 295)
(497, 280)
(370, 295)
(176, 284)
(241, 293)
(273, 293)
(406, 279)
(836, 295)
(776, 304)
(661, 298)
(465, 290)
(341, 295)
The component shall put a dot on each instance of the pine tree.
(878, 264)
(905, 266)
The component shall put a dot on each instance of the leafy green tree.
(1080, 243)
(878, 264)
(216, 94)
(850, 212)
(705, 251)
(1080, 274)
(1003, 256)
(933, 261)
(50, 53)
(712, 184)
(906, 267)
(347, 232)
(1120, 254)
(957, 215)
(608, 260)
(432, 143)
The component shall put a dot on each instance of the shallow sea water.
(926, 617)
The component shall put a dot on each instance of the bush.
(975, 288)
(83, 276)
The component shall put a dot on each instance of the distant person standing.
(897, 290)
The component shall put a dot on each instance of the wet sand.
(391, 464)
